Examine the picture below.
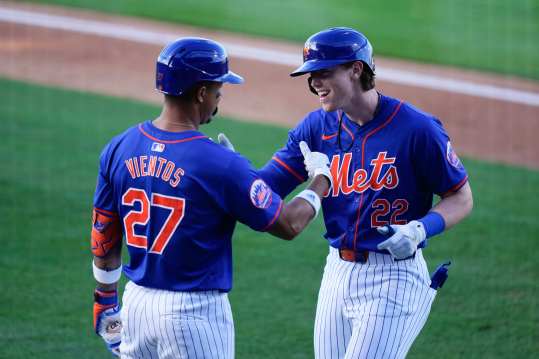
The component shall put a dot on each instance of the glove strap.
(103, 300)
(312, 198)
(106, 297)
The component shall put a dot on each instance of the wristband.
(312, 198)
(434, 223)
(326, 173)
(107, 277)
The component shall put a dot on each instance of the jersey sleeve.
(248, 198)
(285, 171)
(439, 167)
(104, 200)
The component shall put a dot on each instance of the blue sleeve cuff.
(434, 223)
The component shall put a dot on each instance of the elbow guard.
(106, 233)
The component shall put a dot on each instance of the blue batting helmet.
(189, 60)
(335, 46)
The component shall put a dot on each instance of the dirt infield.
(479, 127)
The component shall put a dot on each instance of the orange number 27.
(174, 204)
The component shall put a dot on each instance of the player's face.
(211, 102)
(334, 86)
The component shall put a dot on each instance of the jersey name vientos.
(178, 195)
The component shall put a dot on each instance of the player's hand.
(404, 238)
(316, 163)
(224, 141)
(107, 321)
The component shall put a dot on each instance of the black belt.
(350, 255)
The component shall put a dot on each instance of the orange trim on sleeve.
(456, 187)
(294, 173)
(169, 141)
(274, 217)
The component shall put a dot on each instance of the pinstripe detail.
(185, 325)
(371, 310)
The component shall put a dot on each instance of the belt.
(350, 255)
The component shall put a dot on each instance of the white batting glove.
(404, 238)
(316, 163)
(224, 141)
(109, 327)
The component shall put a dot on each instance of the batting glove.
(107, 321)
(224, 141)
(316, 163)
(404, 238)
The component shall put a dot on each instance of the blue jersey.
(178, 195)
(384, 172)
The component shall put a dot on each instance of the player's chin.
(328, 106)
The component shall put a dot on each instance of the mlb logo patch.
(260, 194)
(158, 147)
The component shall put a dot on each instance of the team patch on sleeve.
(452, 157)
(260, 194)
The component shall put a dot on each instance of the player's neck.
(177, 119)
(362, 107)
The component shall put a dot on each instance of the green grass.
(51, 142)
(494, 35)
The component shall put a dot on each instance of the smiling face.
(336, 86)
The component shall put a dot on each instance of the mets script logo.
(260, 194)
(383, 175)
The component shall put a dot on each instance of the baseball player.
(387, 160)
(175, 196)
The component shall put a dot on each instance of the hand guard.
(107, 321)
(224, 141)
(404, 239)
(316, 163)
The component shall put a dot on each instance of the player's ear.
(357, 69)
(201, 94)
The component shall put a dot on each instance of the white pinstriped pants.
(371, 310)
(167, 324)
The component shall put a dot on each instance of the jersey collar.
(156, 134)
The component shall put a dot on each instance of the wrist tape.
(313, 199)
(107, 277)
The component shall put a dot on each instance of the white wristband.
(311, 197)
(326, 173)
(107, 277)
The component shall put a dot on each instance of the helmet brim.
(230, 78)
(316, 65)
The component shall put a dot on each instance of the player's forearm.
(107, 264)
(456, 206)
(297, 214)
